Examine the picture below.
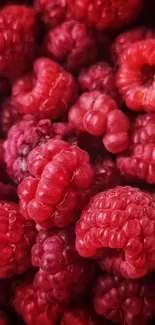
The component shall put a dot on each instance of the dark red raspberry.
(63, 274)
(100, 76)
(22, 138)
(131, 36)
(135, 77)
(106, 14)
(17, 237)
(63, 131)
(62, 175)
(99, 115)
(4, 318)
(9, 114)
(138, 162)
(118, 228)
(48, 92)
(81, 314)
(72, 45)
(31, 310)
(125, 302)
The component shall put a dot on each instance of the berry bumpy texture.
(118, 228)
(47, 92)
(106, 14)
(9, 115)
(17, 237)
(101, 77)
(138, 161)
(99, 115)
(135, 77)
(63, 274)
(61, 179)
(72, 45)
(125, 301)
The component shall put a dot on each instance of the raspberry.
(117, 227)
(9, 114)
(17, 237)
(63, 131)
(48, 92)
(63, 274)
(72, 45)
(3, 175)
(4, 318)
(138, 161)
(61, 177)
(125, 301)
(131, 36)
(99, 115)
(22, 138)
(106, 14)
(135, 77)
(101, 77)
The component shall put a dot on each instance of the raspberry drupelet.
(125, 301)
(118, 229)
(61, 177)
(138, 161)
(17, 237)
(135, 77)
(131, 36)
(99, 115)
(106, 14)
(63, 275)
(47, 92)
(101, 77)
(72, 44)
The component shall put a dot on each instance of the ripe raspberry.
(117, 227)
(63, 274)
(106, 14)
(22, 138)
(123, 301)
(101, 77)
(9, 114)
(72, 45)
(131, 36)
(135, 77)
(4, 318)
(48, 92)
(138, 161)
(61, 177)
(17, 237)
(99, 115)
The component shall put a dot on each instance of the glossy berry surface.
(52, 13)
(118, 228)
(61, 177)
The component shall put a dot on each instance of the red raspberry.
(9, 114)
(125, 302)
(138, 161)
(101, 77)
(98, 114)
(118, 228)
(22, 138)
(131, 36)
(17, 237)
(63, 274)
(4, 318)
(72, 45)
(63, 131)
(106, 14)
(135, 77)
(62, 176)
(48, 92)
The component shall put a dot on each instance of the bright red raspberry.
(17, 237)
(101, 77)
(62, 175)
(63, 274)
(48, 92)
(125, 301)
(131, 36)
(138, 161)
(105, 14)
(22, 138)
(9, 114)
(135, 77)
(99, 115)
(118, 228)
(72, 44)
(4, 318)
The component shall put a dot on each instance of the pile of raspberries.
(77, 162)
